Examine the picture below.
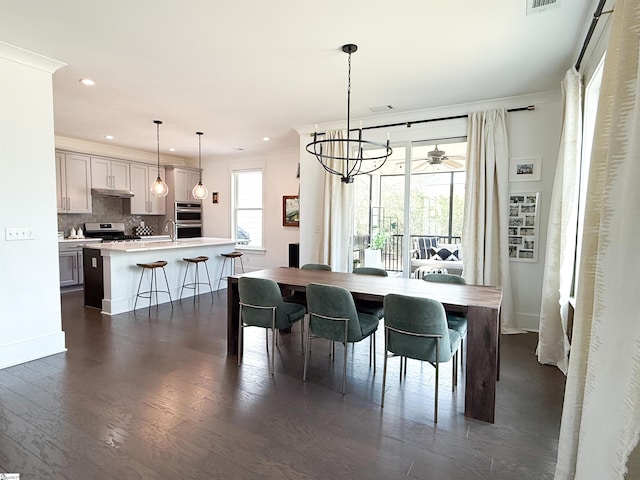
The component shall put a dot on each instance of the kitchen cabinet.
(183, 182)
(73, 183)
(110, 174)
(143, 201)
(71, 269)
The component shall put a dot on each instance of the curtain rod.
(592, 27)
(409, 124)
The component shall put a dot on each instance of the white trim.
(31, 349)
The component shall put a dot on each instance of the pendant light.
(200, 192)
(159, 188)
(346, 157)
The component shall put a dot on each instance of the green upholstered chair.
(333, 316)
(457, 321)
(368, 306)
(261, 305)
(417, 328)
(300, 297)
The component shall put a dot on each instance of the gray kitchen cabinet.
(73, 183)
(109, 174)
(71, 270)
(143, 201)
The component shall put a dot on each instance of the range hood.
(107, 192)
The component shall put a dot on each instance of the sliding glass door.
(419, 192)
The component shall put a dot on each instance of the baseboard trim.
(31, 349)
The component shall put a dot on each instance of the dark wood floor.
(138, 396)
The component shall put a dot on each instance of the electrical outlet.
(18, 234)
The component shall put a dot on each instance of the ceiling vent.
(537, 6)
(381, 108)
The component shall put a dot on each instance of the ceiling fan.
(438, 159)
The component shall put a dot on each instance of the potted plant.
(373, 254)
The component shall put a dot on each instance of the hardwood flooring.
(140, 396)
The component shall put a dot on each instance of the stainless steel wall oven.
(188, 218)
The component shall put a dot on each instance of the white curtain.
(553, 341)
(486, 203)
(601, 415)
(337, 212)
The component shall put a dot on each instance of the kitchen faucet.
(172, 232)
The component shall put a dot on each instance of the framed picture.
(525, 169)
(214, 197)
(523, 226)
(290, 211)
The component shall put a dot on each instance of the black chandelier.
(345, 165)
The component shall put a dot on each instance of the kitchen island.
(111, 273)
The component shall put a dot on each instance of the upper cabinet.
(182, 181)
(111, 174)
(144, 202)
(73, 183)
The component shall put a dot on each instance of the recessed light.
(109, 137)
(172, 149)
(88, 82)
(265, 139)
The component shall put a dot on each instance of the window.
(418, 192)
(247, 208)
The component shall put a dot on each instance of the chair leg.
(184, 280)
(344, 369)
(384, 370)
(240, 335)
(138, 292)
(209, 279)
(168, 289)
(437, 362)
(307, 348)
(224, 263)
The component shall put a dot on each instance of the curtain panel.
(486, 203)
(600, 425)
(553, 342)
(337, 224)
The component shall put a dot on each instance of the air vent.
(537, 6)
(381, 108)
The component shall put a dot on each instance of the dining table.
(481, 304)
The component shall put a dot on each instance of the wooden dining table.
(480, 303)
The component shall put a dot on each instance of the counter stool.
(153, 285)
(195, 285)
(232, 256)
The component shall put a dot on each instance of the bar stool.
(152, 266)
(195, 285)
(232, 257)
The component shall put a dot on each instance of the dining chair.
(261, 305)
(333, 316)
(417, 328)
(300, 297)
(457, 321)
(368, 306)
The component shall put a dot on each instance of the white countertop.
(142, 246)
(79, 240)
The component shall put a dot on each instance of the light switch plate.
(12, 234)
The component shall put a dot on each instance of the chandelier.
(345, 156)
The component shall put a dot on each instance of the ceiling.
(241, 70)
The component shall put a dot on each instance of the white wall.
(531, 134)
(30, 319)
(280, 170)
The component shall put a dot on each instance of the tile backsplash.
(109, 209)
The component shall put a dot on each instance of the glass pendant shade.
(200, 192)
(159, 188)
